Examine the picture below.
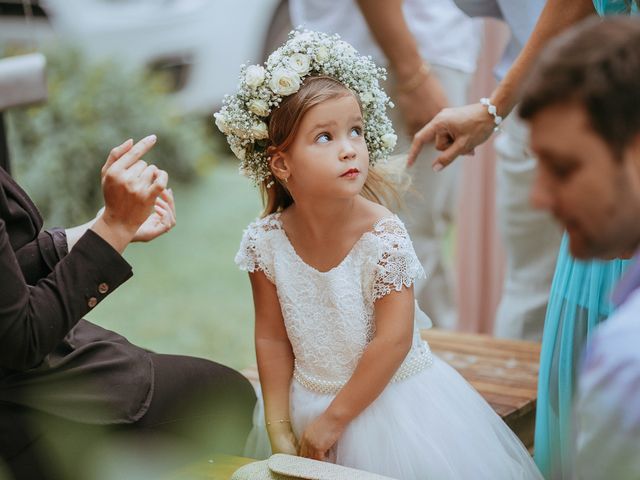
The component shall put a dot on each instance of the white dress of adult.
(530, 237)
(449, 41)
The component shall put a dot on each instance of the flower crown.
(262, 88)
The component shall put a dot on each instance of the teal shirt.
(616, 7)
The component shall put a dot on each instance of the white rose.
(322, 54)
(221, 122)
(259, 107)
(389, 140)
(300, 63)
(366, 97)
(260, 131)
(254, 75)
(239, 152)
(284, 82)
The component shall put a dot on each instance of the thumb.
(449, 155)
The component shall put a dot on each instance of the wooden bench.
(505, 373)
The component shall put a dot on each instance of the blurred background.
(127, 68)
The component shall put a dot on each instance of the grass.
(187, 296)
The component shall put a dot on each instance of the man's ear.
(279, 165)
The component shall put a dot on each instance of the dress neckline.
(287, 241)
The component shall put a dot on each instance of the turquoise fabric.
(579, 300)
(616, 7)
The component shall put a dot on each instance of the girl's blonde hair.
(383, 183)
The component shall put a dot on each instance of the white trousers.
(431, 205)
(530, 238)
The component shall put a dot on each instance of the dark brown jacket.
(50, 359)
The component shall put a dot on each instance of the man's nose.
(541, 196)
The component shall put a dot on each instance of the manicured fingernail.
(150, 139)
(437, 167)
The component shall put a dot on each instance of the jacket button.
(93, 301)
(103, 288)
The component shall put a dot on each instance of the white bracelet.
(493, 111)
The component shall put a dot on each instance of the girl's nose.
(347, 152)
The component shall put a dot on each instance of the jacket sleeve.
(38, 258)
(35, 318)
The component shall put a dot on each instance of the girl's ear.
(279, 165)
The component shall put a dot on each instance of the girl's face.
(329, 156)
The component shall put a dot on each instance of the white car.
(201, 43)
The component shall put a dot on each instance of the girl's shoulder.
(383, 223)
(265, 224)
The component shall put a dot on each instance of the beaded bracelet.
(278, 421)
(493, 111)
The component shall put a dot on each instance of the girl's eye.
(356, 131)
(323, 138)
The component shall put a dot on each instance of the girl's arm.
(380, 361)
(275, 363)
(457, 131)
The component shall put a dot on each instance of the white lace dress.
(428, 423)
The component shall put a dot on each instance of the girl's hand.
(320, 436)
(283, 440)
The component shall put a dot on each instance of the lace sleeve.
(254, 254)
(397, 265)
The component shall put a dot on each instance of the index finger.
(116, 153)
(135, 153)
(425, 135)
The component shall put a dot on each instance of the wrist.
(282, 424)
(338, 415)
(492, 113)
(117, 234)
(409, 83)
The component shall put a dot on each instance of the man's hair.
(595, 64)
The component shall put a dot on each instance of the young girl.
(344, 374)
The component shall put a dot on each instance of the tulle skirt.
(432, 426)
(579, 300)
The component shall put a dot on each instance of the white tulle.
(428, 423)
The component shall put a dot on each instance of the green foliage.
(57, 149)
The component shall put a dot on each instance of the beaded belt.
(417, 360)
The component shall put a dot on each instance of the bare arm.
(457, 131)
(275, 363)
(379, 362)
(419, 94)
(557, 16)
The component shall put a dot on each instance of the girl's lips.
(351, 173)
